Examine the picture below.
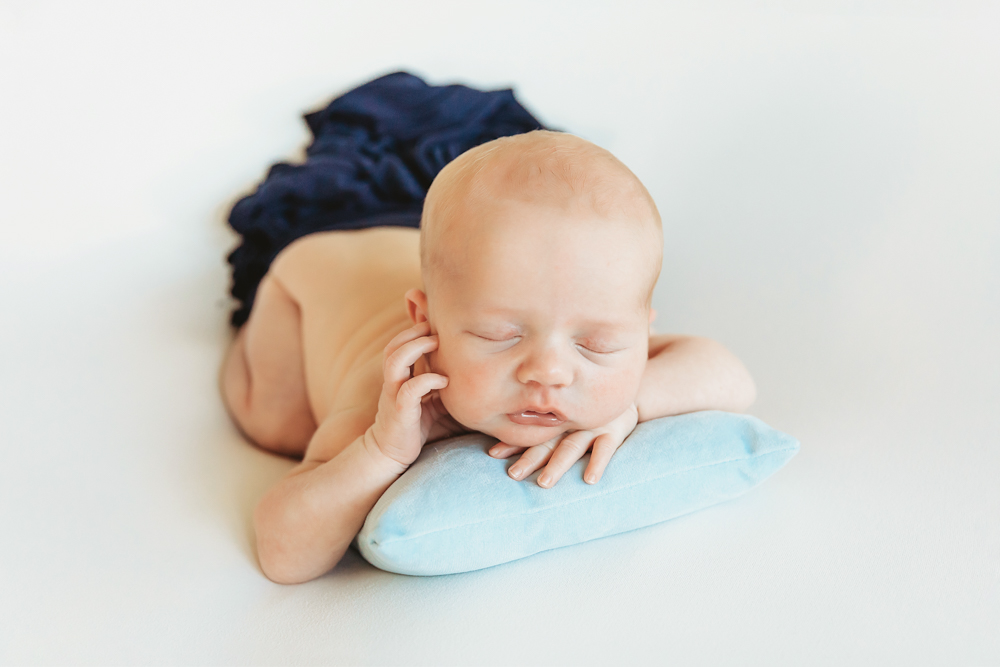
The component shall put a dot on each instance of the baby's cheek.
(469, 394)
(610, 394)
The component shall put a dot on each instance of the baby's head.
(539, 254)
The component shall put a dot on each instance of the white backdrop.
(829, 178)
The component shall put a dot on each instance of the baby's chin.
(524, 436)
(520, 435)
(500, 427)
(503, 429)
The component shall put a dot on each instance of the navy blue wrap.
(374, 153)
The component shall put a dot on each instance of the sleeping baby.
(521, 308)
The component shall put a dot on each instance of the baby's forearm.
(307, 521)
(685, 374)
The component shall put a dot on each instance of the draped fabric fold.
(374, 153)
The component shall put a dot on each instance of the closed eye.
(497, 340)
(591, 348)
(599, 351)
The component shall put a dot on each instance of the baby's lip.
(537, 416)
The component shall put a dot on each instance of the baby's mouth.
(533, 418)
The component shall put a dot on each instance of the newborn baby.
(521, 309)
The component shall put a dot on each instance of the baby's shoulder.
(354, 257)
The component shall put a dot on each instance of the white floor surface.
(829, 178)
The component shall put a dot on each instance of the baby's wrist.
(382, 460)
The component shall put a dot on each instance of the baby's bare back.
(349, 286)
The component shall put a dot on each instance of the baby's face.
(543, 323)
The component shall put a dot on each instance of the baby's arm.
(307, 521)
(685, 374)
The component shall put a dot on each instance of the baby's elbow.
(278, 562)
(278, 573)
(273, 562)
(278, 568)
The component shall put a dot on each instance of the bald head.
(550, 170)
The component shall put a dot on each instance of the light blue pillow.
(455, 509)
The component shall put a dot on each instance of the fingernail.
(544, 480)
(591, 478)
(515, 472)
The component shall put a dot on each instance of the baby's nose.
(546, 367)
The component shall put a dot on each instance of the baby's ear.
(416, 305)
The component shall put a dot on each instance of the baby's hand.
(605, 441)
(407, 411)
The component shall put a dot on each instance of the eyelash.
(507, 340)
(598, 351)
(496, 340)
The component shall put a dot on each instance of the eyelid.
(593, 351)
(514, 336)
(496, 340)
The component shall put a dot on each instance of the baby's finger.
(533, 459)
(408, 398)
(406, 335)
(604, 448)
(396, 367)
(502, 450)
(569, 451)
